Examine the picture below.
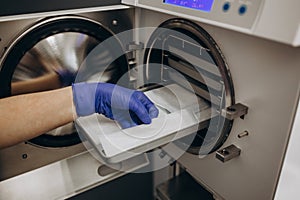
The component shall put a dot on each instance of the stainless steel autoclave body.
(232, 67)
(265, 76)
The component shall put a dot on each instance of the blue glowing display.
(203, 5)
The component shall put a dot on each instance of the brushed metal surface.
(64, 178)
(266, 78)
(60, 50)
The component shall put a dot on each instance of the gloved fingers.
(140, 111)
(153, 111)
(112, 101)
(135, 118)
(109, 114)
(151, 108)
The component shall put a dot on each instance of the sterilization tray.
(180, 113)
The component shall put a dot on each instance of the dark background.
(133, 186)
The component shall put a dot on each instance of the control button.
(243, 9)
(226, 6)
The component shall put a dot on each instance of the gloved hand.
(66, 77)
(128, 107)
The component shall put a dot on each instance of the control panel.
(240, 13)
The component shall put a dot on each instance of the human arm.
(27, 116)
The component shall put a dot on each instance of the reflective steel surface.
(63, 53)
(50, 51)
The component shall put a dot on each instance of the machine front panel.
(237, 13)
(263, 84)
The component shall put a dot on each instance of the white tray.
(180, 114)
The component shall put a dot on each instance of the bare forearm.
(27, 116)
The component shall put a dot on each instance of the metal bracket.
(228, 153)
(133, 46)
(131, 49)
(235, 111)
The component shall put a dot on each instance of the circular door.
(190, 51)
(58, 47)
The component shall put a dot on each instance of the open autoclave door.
(185, 74)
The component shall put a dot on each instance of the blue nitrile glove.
(128, 107)
(66, 77)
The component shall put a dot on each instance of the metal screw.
(115, 22)
(225, 152)
(24, 156)
(162, 154)
(243, 134)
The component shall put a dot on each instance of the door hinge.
(132, 48)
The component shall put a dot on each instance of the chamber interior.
(182, 53)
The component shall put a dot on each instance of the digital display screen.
(203, 5)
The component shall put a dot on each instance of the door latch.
(228, 153)
(235, 111)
